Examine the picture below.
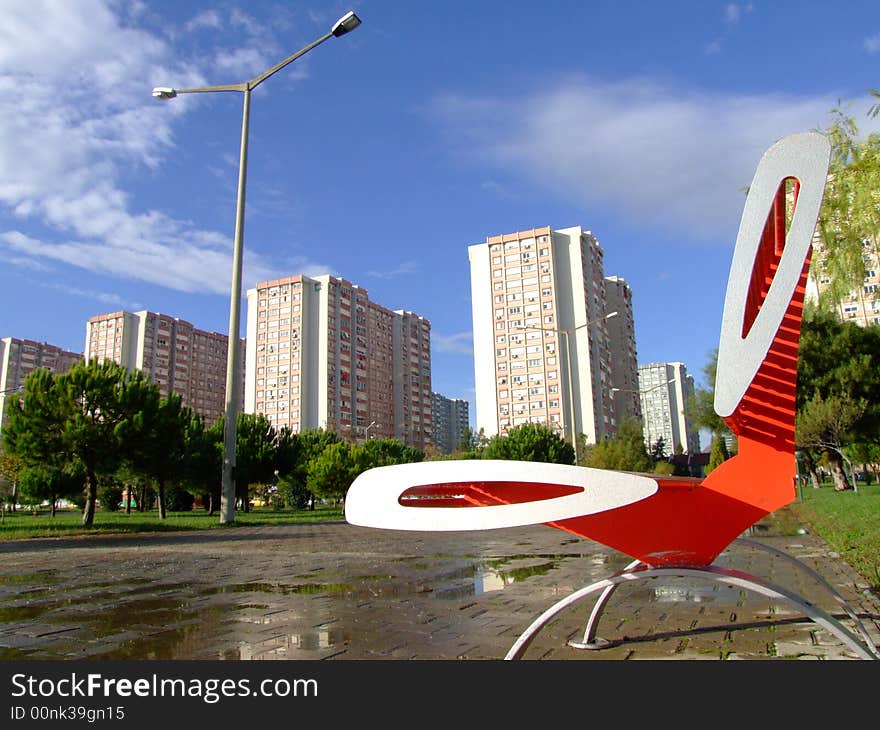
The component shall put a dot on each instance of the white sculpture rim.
(372, 499)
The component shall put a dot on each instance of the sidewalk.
(335, 591)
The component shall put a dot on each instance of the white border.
(372, 500)
(805, 157)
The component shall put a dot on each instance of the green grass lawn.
(850, 523)
(67, 523)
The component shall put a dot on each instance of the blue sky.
(380, 156)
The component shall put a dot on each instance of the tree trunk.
(14, 494)
(128, 500)
(88, 516)
(54, 502)
(841, 483)
(161, 499)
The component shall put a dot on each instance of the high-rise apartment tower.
(624, 355)
(177, 356)
(320, 354)
(19, 358)
(451, 422)
(665, 389)
(534, 294)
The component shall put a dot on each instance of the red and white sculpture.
(678, 525)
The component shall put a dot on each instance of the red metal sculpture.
(665, 522)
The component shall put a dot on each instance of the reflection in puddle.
(279, 646)
(281, 589)
(136, 618)
(684, 593)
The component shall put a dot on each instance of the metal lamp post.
(367, 430)
(566, 334)
(345, 24)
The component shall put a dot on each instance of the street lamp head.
(610, 315)
(164, 92)
(345, 24)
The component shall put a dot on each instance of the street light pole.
(345, 24)
(367, 430)
(566, 334)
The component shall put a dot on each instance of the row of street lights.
(345, 24)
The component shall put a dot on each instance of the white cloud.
(654, 154)
(300, 265)
(461, 342)
(82, 125)
(204, 19)
(104, 297)
(733, 12)
(407, 267)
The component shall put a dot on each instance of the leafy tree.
(178, 499)
(718, 453)
(384, 452)
(331, 473)
(293, 484)
(255, 453)
(530, 442)
(827, 423)
(204, 464)
(156, 436)
(76, 417)
(10, 469)
(287, 448)
(849, 216)
(42, 483)
(110, 492)
(838, 394)
(470, 447)
(868, 455)
(623, 452)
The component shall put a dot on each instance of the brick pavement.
(335, 591)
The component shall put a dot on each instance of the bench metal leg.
(590, 640)
(721, 575)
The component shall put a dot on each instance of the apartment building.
(860, 305)
(665, 388)
(177, 356)
(321, 354)
(451, 422)
(18, 358)
(624, 353)
(541, 342)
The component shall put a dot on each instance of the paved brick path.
(334, 591)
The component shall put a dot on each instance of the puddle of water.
(280, 589)
(694, 594)
(175, 621)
